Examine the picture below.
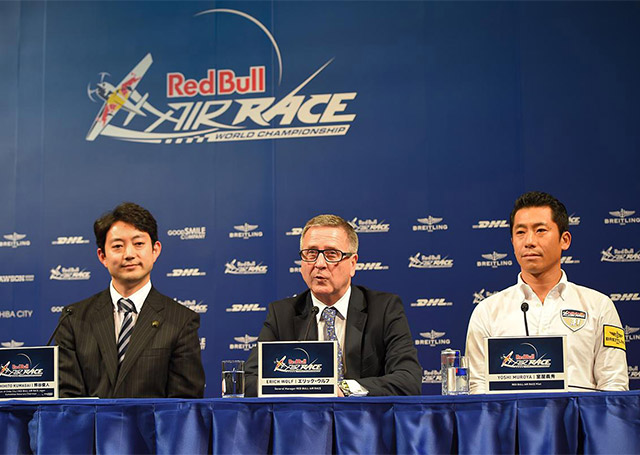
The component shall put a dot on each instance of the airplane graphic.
(119, 97)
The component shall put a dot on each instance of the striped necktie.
(128, 308)
(329, 317)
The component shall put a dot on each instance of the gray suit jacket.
(379, 351)
(163, 358)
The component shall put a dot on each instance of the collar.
(559, 289)
(342, 305)
(137, 297)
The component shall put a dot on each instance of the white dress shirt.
(137, 298)
(589, 363)
(342, 308)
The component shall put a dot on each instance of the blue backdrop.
(420, 122)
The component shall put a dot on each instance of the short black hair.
(130, 213)
(540, 199)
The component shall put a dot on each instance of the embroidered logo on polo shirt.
(574, 319)
(613, 337)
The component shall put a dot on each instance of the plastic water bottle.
(449, 362)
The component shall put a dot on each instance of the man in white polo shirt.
(596, 357)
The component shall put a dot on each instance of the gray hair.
(333, 221)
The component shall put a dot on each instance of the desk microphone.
(314, 312)
(525, 307)
(585, 388)
(66, 312)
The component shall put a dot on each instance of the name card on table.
(297, 369)
(526, 364)
(29, 373)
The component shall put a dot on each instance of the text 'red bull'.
(225, 83)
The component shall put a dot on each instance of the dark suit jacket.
(378, 352)
(163, 358)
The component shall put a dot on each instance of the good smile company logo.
(196, 114)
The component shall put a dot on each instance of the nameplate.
(29, 373)
(297, 369)
(526, 364)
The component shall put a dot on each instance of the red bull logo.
(225, 83)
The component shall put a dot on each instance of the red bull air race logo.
(220, 105)
(297, 365)
(528, 358)
(21, 367)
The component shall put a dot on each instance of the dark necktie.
(329, 317)
(128, 308)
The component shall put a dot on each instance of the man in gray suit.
(376, 355)
(129, 341)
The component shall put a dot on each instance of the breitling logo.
(15, 240)
(430, 224)
(494, 260)
(12, 344)
(244, 343)
(297, 267)
(432, 339)
(630, 333)
(622, 217)
(246, 231)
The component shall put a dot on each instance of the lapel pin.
(155, 324)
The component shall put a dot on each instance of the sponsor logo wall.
(233, 144)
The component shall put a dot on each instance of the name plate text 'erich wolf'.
(297, 369)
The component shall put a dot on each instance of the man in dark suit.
(376, 351)
(129, 340)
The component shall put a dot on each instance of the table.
(607, 422)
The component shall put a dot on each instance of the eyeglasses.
(330, 255)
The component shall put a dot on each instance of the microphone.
(585, 388)
(314, 312)
(525, 307)
(66, 312)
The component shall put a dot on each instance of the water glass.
(232, 378)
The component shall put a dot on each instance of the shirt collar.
(342, 305)
(559, 289)
(137, 297)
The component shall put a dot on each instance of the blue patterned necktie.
(128, 308)
(329, 317)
